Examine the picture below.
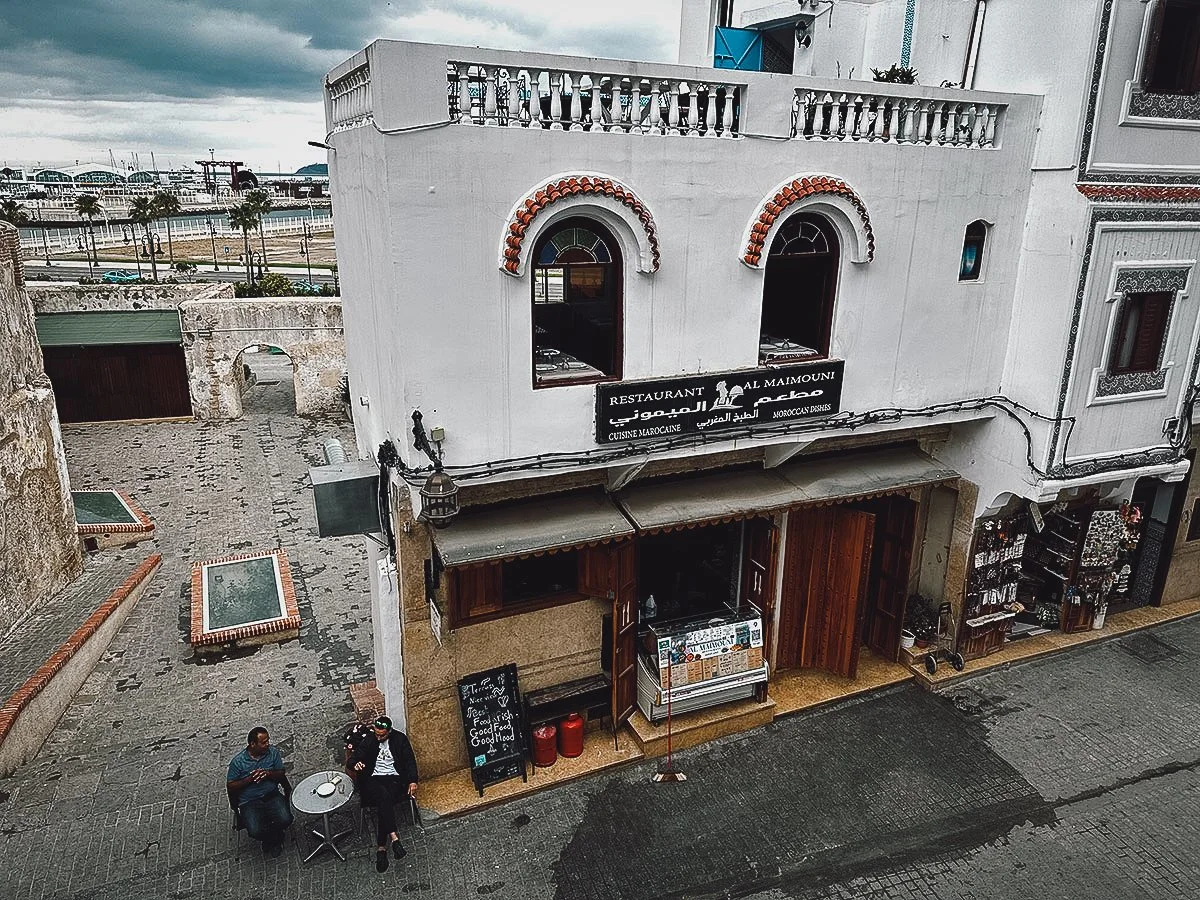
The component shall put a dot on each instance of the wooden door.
(625, 623)
(758, 571)
(888, 587)
(108, 382)
(826, 565)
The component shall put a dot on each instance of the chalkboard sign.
(491, 715)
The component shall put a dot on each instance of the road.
(69, 272)
(1074, 776)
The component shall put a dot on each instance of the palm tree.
(245, 218)
(88, 206)
(166, 205)
(260, 201)
(13, 212)
(141, 212)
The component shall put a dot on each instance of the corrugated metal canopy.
(530, 526)
(727, 495)
(92, 329)
(865, 474)
(737, 495)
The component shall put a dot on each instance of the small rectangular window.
(1141, 328)
(497, 589)
(1172, 61)
(972, 252)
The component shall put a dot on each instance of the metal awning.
(865, 474)
(93, 329)
(530, 526)
(726, 496)
(706, 498)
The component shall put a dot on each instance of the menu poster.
(491, 716)
(711, 652)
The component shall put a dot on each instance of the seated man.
(385, 771)
(253, 782)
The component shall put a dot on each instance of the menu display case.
(695, 663)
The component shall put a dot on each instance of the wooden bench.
(592, 695)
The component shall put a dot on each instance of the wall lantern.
(439, 494)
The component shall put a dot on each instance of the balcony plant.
(895, 74)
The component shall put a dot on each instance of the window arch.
(970, 266)
(576, 298)
(799, 289)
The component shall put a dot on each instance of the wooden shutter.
(476, 591)
(1152, 329)
(625, 624)
(1150, 60)
(758, 572)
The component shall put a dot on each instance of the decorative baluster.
(891, 131)
(693, 109)
(844, 115)
(464, 95)
(634, 118)
(654, 116)
(989, 130)
(576, 103)
(673, 108)
(807, 121)
(514, 98)
(596, 113)
(827, 123)
(712, 112)
(908, 121)
(556, 80)
(490, 106)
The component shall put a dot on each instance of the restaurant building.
(726, 365)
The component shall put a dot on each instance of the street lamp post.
(212, 234)
(306, 250)
(128, 235)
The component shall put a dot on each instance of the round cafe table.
(308, 798)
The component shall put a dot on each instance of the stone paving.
(1072, 776)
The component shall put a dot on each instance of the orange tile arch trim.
(1145, 193)
(572, 186)
(45, 673)
(793, 192)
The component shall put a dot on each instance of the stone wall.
(217, 327)
(39, 546)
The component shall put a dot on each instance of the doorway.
(826, 572)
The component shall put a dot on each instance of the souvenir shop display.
(991, 602)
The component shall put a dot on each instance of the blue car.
(306, 287)
(120, 276)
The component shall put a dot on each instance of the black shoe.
(381, 861)
(275, 850)
(398, 850)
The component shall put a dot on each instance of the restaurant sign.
(629, 411)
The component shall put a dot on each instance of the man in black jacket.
(385, 771)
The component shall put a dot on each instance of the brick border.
(288, 622)
(45, 673)
(144, 525)
(792, 192)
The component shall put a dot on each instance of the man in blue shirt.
(253, 782)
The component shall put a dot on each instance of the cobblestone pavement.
(1074, 776)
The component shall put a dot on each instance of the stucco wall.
(39, 546)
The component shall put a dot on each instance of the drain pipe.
(968, 79)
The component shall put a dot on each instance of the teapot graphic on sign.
(727, 397)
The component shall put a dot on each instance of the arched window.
(576, 305)
(798, 291)
(971, 265)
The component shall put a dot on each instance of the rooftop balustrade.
(538, 91)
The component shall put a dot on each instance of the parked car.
(306, 287)
(120, 276)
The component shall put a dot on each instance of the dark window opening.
(692, 571)
(1141, 329)
(1193, 532)
(972, 252)
(576, 305)
(1172, 63)
(799, 288)
(539, 577)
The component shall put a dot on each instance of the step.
(700, 727)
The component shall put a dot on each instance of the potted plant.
(920, 618)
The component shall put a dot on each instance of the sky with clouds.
(81, 78)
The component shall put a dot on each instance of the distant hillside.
(314, 169)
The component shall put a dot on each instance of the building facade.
(703, 345)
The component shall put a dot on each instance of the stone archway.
(309, 332)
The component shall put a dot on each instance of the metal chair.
(238, 825)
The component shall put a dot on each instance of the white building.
(779, 343)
